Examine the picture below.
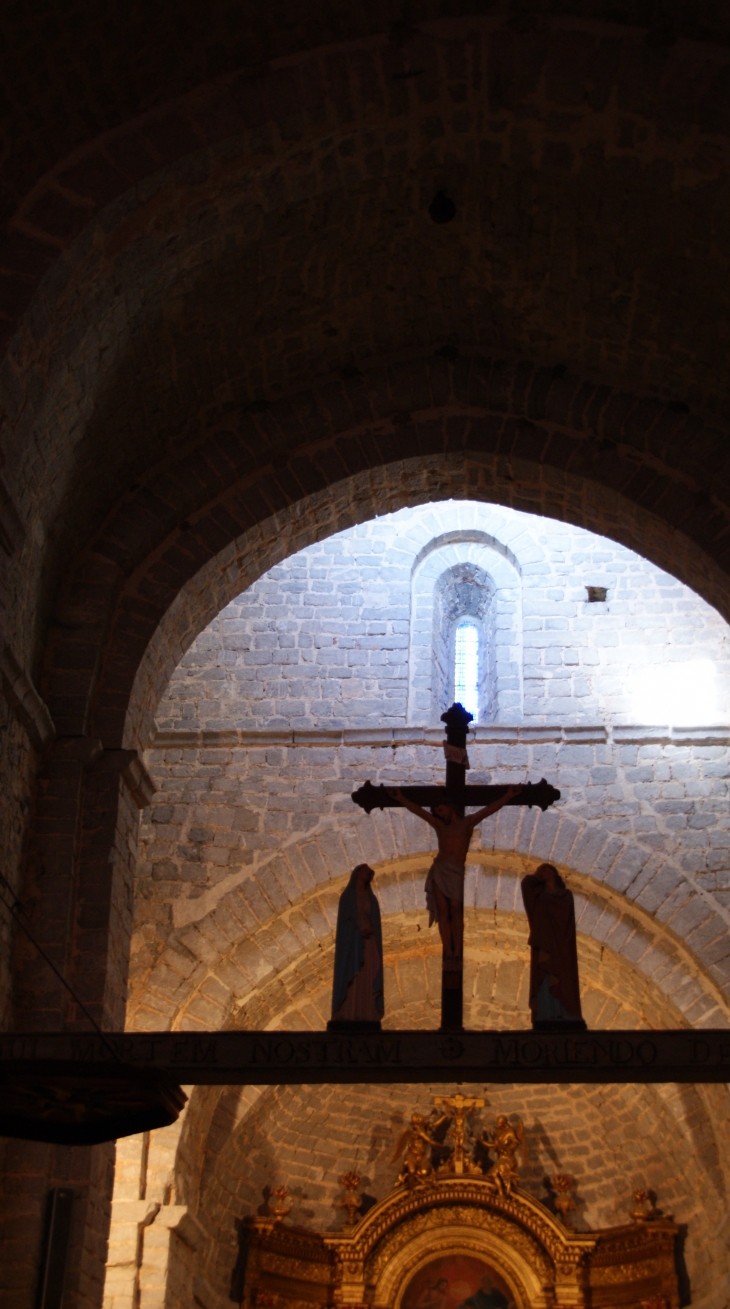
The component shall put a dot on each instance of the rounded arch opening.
(234, 1142)
(455, 1239)
(244, 560)
(224, 956)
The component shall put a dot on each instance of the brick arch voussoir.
(435, 545)
(248, 933)
(497, 569)
(268, 484)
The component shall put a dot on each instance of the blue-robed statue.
(357, 993)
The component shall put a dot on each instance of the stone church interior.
(360, 361)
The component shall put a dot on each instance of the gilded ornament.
(636, 1270)
(505, 1143)
(452, 1212)
(564, 1202)
(417, 1144)
(352, 1201)
(458, 1164)
(456, 1209)
(644, 1210)
(277, 1203)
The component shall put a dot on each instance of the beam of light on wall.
(682, 695)
(466, 667)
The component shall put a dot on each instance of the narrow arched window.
(466, 666)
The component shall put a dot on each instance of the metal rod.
(16, 909)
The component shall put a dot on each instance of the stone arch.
(129, 621)
(76, 207)
(655, 980)
(461, 1238)
(115, 604)
(535, 433)
(124, 573)
(215, 965)
(662, 1136)
(185, 132)
(649, 1135)
(181, 587)
(467, 535)
(632, 974)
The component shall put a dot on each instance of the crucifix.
(73, 1088)
(461, 1106)
(445, 881)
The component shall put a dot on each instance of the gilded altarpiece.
(456, 1237)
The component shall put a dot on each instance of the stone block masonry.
(341, 634)
(267, 820)
(225, 302)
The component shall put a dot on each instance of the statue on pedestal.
(505, 1143)
(417, 1144)
(357, 992)
(554, 985)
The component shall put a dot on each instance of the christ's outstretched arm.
(416, 809)
(481, 814)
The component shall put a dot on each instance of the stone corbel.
(141, 787)
(179, 1219)
(89, 752)
(23, 699)
(133, 773)
(138, 1213)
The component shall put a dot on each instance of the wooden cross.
(461, 1106)
(460, 796)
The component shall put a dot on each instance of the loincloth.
(449, 878)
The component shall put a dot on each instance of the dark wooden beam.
(370, 797)
(293, 1058)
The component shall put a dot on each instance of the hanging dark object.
(442, 208)
(69, 1106)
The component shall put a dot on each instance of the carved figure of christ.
(445, 882)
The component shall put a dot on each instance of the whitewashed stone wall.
(341, 634)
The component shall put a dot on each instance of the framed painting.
(457, 1281)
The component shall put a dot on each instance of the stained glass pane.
(466, 667)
